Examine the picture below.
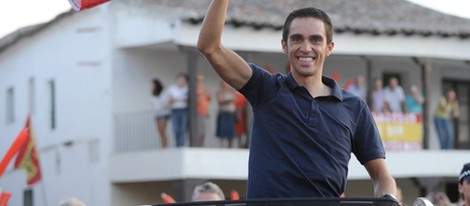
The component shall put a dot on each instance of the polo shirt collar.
(336, 90)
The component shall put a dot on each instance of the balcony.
(136, 139)
(138, 162)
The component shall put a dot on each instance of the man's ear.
(284, 46)
(329, 48)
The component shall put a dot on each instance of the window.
(52, 104)
(32, 95)
(10, 105)
(28, 197)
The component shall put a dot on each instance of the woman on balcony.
(447, 108)
(227, 114)
(161, 108)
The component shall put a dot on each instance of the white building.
(85, 78)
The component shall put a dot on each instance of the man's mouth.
(306, 59)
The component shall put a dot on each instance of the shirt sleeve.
(260, 87)
(367, 143)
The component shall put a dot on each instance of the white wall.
(133, 72)
(74, 53)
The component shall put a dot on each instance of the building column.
(192, 56)
(425, 65)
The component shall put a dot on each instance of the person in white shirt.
(178, 94)
(394, 97)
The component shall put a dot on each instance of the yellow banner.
(400, 132)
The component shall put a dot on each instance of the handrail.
(348, 201)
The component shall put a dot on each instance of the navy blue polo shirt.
(301, 146)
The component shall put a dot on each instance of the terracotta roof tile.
(388, 17)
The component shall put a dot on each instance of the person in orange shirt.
(240, 122)
(203, 100)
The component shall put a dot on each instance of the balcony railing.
(135, 131)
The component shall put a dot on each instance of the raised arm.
(229, 65)
(381, 178)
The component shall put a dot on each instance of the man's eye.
(316, 39)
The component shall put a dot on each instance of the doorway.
(462, 123)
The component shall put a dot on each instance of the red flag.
(14, 148)
(28, 159)
(4, 197)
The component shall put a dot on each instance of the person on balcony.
(305, 127)
(161, 109)
(394, 97)
(447, 108)
(178, 94)
(226, 97)
(240, 121)
(203, 100)
(378, 97)
(415, 100)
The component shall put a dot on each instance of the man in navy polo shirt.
(305, 126)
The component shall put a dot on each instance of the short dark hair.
(309, 12)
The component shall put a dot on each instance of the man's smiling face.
(307, 46)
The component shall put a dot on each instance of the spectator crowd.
(170, 105)
(393, 99)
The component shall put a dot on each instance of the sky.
(15, 14)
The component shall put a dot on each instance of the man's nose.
(306, 47)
